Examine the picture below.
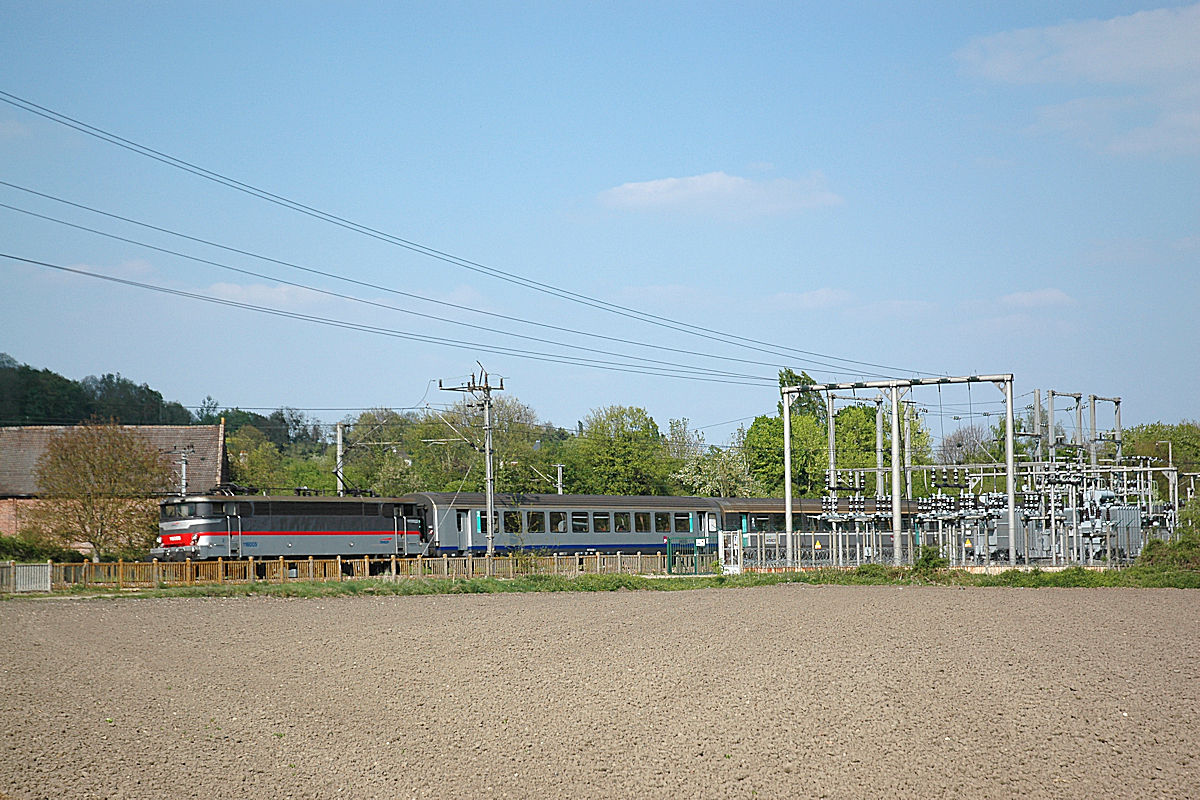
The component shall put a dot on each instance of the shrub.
(16, 548)
(930, 559)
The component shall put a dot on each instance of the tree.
(253, 460)
(97, 483)
(720, 471)
(117, 398)
(764, 454)
(1142, 441)
(806, 403)
(620, 451)
(965, 445)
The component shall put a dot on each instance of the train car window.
(186, 509)
(621, 521)
(662, 522)
(558, 521)
(641, 522)
(204, 509)
(537, 522)
(683, 522)
(601, 522)
(512, 522)
(579, 522)
(462, 520)
(167, 512)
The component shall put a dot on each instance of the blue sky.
(907, 188)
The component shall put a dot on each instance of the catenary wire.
(262, 194)
(683, 373)
(378, 304)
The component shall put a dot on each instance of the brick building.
(21, 447)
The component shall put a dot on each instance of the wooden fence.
(151, 574)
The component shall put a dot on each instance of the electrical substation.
(1028, 491)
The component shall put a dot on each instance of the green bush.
(930, 559)
(1183, 553)
(16, 548)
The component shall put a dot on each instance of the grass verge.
(1138, 576)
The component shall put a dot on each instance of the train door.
(233, 530)
(421, 547)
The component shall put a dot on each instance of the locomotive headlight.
(158, 541)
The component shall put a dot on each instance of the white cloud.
(1038, 298)
(277, 296)
(722, 195)
(1143, 70)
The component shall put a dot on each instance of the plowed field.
(789, 691)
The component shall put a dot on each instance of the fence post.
(366, 566)
(282, 571)
(120, 573)
(156, 573)
(310, 568)
(251, 574)
(339, 567)
(393, 567)
(220, 570)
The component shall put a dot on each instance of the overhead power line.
(687, 373)
(353, 298)
(333, 219)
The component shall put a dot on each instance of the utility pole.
(183, 452)
(341, 455)
(879, 447)
(482, 390)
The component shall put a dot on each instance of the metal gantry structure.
(1064, 501)
(895, 388)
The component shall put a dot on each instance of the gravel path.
(788, 691)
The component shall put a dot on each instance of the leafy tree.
(39, 397)
(764, 453)
(621, 451)
(236, 419)
(117, 398)
(1142, 441)
(97, 482)
(720, 471)
(208, 415)
(253, 460)
(810, 404)
(1189, 517)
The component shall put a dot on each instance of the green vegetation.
(614, 450)
(1139, 576)
(19, 548)
(97, 482)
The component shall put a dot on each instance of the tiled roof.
(21, 447)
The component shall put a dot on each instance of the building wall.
(10, 514)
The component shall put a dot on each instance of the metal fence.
(154, 574)
(16, 577)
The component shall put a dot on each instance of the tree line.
(614, 450)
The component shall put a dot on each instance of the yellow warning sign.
(817, 545)
(968, 542)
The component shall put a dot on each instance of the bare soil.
(788, 691)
